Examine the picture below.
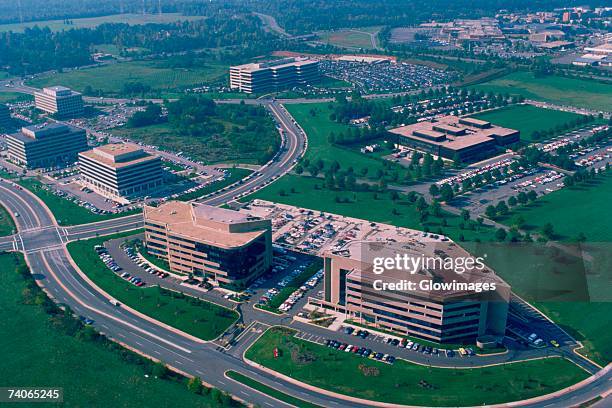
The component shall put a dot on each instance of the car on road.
(554, 343)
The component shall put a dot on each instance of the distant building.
(120, 171)
(273, 75)
(452, 315)
(60, 101)
(225, 246)
(5, 118)
(452, 136)
(46, 145)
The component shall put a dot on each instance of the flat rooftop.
(284, 63)
(205, 223)
(363, 253)
(29, 134)
(118, 155)
(473, 135)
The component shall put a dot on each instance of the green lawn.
(318, 129)
(197, 317)
(347, 38)
(527, 119)
(66, 212)
(131, 19)
(7, 226)
(111, 78)
(91, 375)
(554, 89)
(12, 97)
(272, 392)
(311, 193)
(406, 383)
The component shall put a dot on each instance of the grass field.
(256, 385)
(7, 226)
(347, 39)
(199, 318)
(131, 19)
(91, 375)
(318, 129)
(12, 97)
(406, 383)
(361, 205)
(66, 212)
(527, 119)
(554, 89)
(111, 78)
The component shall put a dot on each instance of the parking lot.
(385, 76)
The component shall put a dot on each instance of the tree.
(500, 234)
(299, 169)
(446, 193)
(512, 201)
(434, 190)
(421, 204)
(502, 208)
(518, 221)
(159, 370)
(436, 209)
(532, 195)
(313, 170)
(522, 198)
(490, 211)
(195, 385)
(548, 230)
(568, 181)
(465, 214)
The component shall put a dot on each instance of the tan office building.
(451, 137)
(60, 101)
(228, 247)
(273, 75)
(120, 171)
(46, 145)
(448, 314)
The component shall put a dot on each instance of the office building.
(46, 145)
(59, 101)
(454, 137)
(447, 315)
(120, 171)
(229, 248)
(274, 75)
(5, 118)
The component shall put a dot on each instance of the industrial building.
(273, 75)
(5, 118)
(120, 171)
(448, 315)
(59, 101)
(229, 248)
(46, 145)
(454, 137)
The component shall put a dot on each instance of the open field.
(347, 38)
(249, 382)
(131, 19)
(199, 318)
(7, 226)
(66, 212)
(318, 129)
(407, 383)
(308, 192)
(554, 89)
(112, 77)
(92, 375)
(527, 119)
(12, 97)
